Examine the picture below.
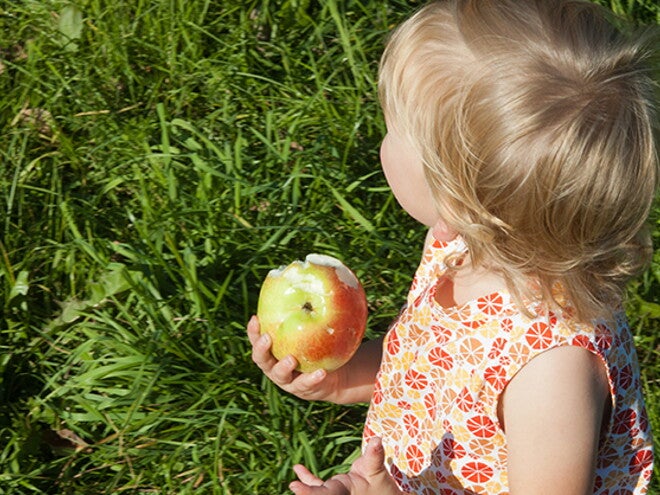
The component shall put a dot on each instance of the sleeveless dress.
(443, 370)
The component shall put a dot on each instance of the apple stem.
(308, 307)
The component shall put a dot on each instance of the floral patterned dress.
(443, 370)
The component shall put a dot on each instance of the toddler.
(521, 133)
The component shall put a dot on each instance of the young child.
(521, 133)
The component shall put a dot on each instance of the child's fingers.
(283, 372)
(261, 345)
(309, 382)
(374, 457)
(310, 385)
(253, 330)
(306, 476)
(261, 354)
(299, 488)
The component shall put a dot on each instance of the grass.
(157, 158)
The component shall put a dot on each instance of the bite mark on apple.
(343, 273)
(300, 281)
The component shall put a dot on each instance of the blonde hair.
(535, 122)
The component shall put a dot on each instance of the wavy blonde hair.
(535, 121)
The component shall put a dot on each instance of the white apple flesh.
(315, 310)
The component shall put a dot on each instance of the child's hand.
(319, 385)
(367, 476)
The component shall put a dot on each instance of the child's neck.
(467, 284)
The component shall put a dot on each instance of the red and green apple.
(315, 310)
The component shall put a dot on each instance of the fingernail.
(264, 339)
(318, 374)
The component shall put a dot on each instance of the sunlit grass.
(157, 159)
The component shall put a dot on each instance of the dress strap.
(434, 264)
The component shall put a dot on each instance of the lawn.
(157, 158)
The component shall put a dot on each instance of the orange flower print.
(367, 433)
(497, 347)
(477, 472)
(491, 304)
(393, 345)
(603, 337)
(451, 449)
(412, 424)
(378, 394)
(472, 350)
(482, 426)
(463, 314)
(472, 324)
(626, 377)
(465, 400)
(480, 447)
(624, 421)
(431, 405)
(608, 456)
(641, 461)
(395, 385)
(391, 427)
(496, 377)
(416, 380)
(416, 333)
(442, 334)
(439, 357)
(415, 459)
(396, 473)
(519, 352)
(447, 397)
(506, 324)
(584, 342)
(505, 360)
(539, 336)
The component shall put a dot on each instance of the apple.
(315, 310)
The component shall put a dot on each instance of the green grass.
(157, 158)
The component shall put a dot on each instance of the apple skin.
(315, 310)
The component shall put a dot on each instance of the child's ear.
(442, 232)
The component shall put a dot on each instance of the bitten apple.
(315, 310)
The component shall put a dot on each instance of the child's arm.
(353, 382)
(552, 413)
